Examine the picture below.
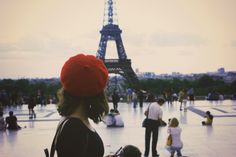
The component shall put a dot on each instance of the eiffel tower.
(111, 31)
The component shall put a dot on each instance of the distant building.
(221, 71)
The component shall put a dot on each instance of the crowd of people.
(14, 98)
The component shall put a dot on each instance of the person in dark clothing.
(11, 122)
(115, 100)
(31, 105)
(140, 98)
(82, 97)
(154, 114)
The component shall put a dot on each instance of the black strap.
(59, 130)
(53, 145)
(148, 109)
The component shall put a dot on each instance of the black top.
(12, 123)
(76, 140)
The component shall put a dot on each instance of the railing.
(116, 60)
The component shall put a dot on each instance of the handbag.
(146, 121)
(169, 140)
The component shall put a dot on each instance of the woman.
(175, 131)
(82, 97)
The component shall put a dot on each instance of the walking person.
(140, 98)
(134, 99)
(82, 97)
(183, 99)
(175, 131)
(31, 105)
(154, 114)
(191, 95)
(115, 100)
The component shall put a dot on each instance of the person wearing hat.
(83, 79)
(154, 114)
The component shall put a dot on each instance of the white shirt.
(155, 111)
(110, 120)
(119, 120)
(176, 136)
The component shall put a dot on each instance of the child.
(209, 118)
(175, 131)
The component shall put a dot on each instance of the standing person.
(168, 96)
(140, 98)
(115, 100)
(31, 105)
(183, 99)
(11, 122)
(134, 99)
(175, 131)
(2, 122)
(82, 97)
(154, 114)
(191, 95)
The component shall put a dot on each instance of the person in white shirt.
(154, 114)
(175, 131)
(118, 119)
(114, 119)
(110, 119)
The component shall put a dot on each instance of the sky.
(161, 36)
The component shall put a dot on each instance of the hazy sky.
(161, 36)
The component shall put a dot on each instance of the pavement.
(217, 140)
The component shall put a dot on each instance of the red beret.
(84, 75)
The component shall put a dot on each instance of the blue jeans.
(172, 150)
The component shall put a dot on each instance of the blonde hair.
(174, 122)
(96, 106)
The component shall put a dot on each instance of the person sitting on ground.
(209, 118)
(118, 119)
(114, 119)
(11, 121)
(110, 118)
(2, 122)
(31, 105)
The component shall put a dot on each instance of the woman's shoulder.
(175, 129)
(72, 123)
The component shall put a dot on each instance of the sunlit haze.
(161, 36)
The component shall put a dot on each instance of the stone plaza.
(217, 140)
